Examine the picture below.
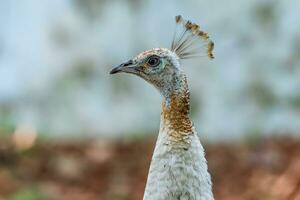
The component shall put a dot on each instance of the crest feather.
(191, 41)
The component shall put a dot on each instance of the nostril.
(128, 63)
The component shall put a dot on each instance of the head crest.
(190, 41)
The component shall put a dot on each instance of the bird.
(178, 169)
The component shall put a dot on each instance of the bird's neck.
(176, 109)
(178, 168)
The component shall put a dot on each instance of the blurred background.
(68, 130)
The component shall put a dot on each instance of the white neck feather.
(178, 170)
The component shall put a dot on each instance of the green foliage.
(254, 136)
(266, 14)
(122, 85)
(295, 102)
(91, 9)
(27, 194)
(262, 94)
(6, 128)
(6, 123)
(195, 104)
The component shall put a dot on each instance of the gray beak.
(126, 67)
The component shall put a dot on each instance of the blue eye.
(153, 61)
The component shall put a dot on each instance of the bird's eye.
(153, 61)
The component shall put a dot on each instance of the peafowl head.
(161, 66)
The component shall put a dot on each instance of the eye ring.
(153, 61)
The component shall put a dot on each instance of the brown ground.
(264, 170)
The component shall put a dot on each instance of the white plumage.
(178, 170)
(176, 173)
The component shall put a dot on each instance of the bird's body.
(178, 174)
(178, 170)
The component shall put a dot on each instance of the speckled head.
(160, 66)
(157, 66)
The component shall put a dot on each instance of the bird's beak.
(127, 67)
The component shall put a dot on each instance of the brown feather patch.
(176, 116)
